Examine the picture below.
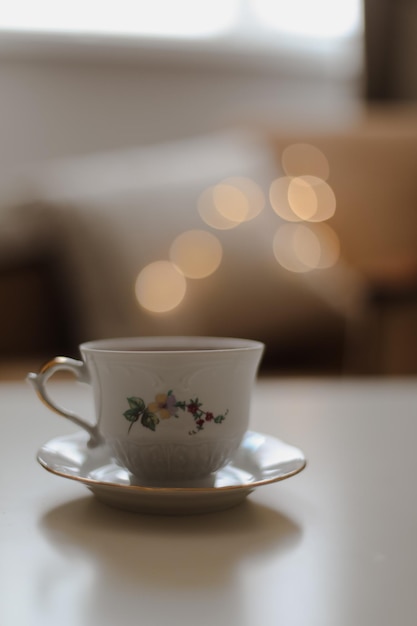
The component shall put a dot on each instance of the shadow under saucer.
(149, 548)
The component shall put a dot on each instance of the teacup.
(169, 408)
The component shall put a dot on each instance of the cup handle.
(79, 369)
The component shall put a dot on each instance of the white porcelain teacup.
(170, 408)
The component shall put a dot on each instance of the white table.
(335, 545)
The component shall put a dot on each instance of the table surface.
(333, 546)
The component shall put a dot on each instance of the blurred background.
(234, 167)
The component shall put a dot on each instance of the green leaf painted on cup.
(149, 420)
(131, 415)
(136, 403)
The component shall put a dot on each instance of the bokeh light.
(300, 159)
(285, 247)
(307, 246)
(311, 198)
(160, 287)
(231, 202)
(254, 197)
(304, 247)
(209, 213)
(196, 253)
(302, 198)
(278, 197)
(330, 245)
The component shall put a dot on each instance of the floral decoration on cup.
(166, 406)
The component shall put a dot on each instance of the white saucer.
(260, 460)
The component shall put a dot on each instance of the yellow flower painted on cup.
(164, 405)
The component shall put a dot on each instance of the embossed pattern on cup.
(176, 461)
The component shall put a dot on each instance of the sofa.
(81, 230)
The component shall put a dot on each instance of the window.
(325, 19)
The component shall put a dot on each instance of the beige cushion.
(373, 172)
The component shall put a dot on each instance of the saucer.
(260, 460)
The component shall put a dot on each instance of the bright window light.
(310, 18)
(164, 18)
(184, 18)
